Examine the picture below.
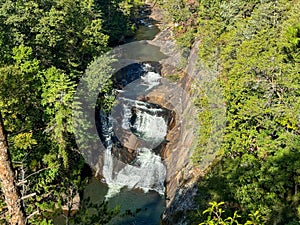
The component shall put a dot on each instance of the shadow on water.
(149, 205)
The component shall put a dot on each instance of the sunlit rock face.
(182, 174)
(177, 152)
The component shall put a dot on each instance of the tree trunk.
(9, 188)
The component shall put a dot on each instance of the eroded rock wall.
(182, 174)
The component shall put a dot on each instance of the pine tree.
(9, 187)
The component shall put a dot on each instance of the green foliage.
(24, 141)
(45, 47)
(254, 47)
(119, 16)
(211, 118)
(53, 29)
(175, 10)
(205, 129)
(182, 18)
(173, 77)
(186, 39)
(16, 96)
(57, 96)
(215, 216)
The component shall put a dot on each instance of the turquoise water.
(150, 205)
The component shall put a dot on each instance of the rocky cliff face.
(182, 175)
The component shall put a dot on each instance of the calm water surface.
(151, 204)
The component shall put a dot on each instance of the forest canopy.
(254, 47)
(45, 46)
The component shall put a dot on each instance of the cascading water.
(107, 133)
(151, 79)
(144, 120)
(148, 173)
(151, 204)
(150, 127)
(147, 121)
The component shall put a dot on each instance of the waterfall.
(147, 122)
(151, 79)
(144, 120)
(150, 126)
(107, 133)
(149, 174)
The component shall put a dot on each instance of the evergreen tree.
(9, 185)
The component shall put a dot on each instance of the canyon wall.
(182, 174)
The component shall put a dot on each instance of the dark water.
(150, 205)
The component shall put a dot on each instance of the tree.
(8, 182)
(215, 216)
(119, 18)
(254, 47)
(45, 47)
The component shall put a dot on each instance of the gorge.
(149, 112)
(156, 147)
